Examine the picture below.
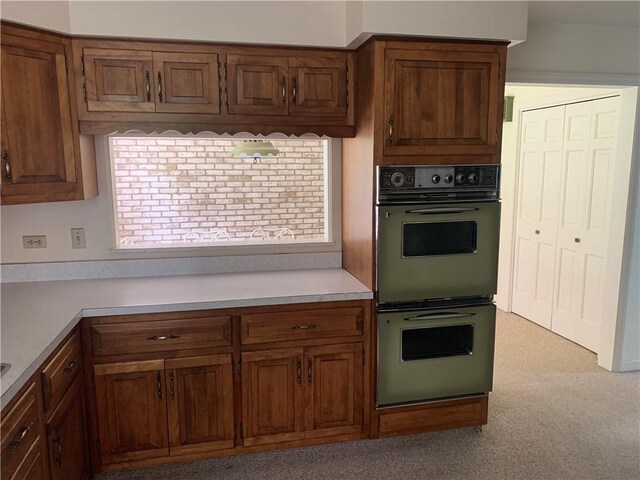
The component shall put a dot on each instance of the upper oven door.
(437, 251)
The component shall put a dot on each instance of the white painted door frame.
(626, 185)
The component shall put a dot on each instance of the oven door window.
(439, 238)
(436, 342)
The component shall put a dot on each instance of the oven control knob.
(473, 178)
(397, 179)
(435, 178)
(448, 178)
(460, 178)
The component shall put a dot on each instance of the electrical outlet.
(34, 241)
(77, 238)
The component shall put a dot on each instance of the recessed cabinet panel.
(272, 396)
(37, 142)
(200, 404)
(441, 102)
(257, 85)
(319, 86)
(118, 80)
(131, 407)
(187, 82)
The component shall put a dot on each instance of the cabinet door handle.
(391, 130)
(56, 440)
(299, 367)
(294, 90)
(577, 240)
(537, 232)
(17, 440)
(163, 337)
(284, 89)
(171, 390)
(72, 364)
(305, 327)
(160, 87)
(159, 385)
(310, 371)
(148, 86)
(7, 165)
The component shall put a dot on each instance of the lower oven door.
(437, 251)
(429, 354)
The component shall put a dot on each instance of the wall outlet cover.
(78, 239)
(34, 241)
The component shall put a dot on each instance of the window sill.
(223, 250)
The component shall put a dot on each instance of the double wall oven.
(437, 258)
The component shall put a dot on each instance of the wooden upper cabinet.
(132, 410)
(272, 396)
(187, 82)
(443, 99)
(118, 80)
(333, 396)
(257, 85)
(318, 86)
(200, 403)
(38, 157)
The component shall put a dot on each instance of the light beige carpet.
(553, 415)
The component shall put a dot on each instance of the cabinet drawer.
(19, 432)
(61, 370)
(301, 324)
(162, 335)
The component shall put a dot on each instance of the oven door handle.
(438, 316)
(439, 210)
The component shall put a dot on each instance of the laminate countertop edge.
(32, 329)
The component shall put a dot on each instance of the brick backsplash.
(175, 190)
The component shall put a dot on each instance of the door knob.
(537, 232)
(577, 240)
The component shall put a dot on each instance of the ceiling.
(618, 14)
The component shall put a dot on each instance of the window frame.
(332, 201)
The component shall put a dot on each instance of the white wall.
(314, 23)
(573, 48)
(51, 15)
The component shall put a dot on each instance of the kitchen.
(48, 211)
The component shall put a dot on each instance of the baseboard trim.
(630, 366)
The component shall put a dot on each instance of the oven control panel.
(437, 181)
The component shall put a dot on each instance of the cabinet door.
(118, 80)
(200, 403)
(37, 138)
(132, 410)
(257, 85)
(272, 396)
(32, 467)
(187, 82)
(333, 392)
(442, 103)
(318, 86)
(67, 438)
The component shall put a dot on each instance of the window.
(191, 191)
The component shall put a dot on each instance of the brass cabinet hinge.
(82, 64)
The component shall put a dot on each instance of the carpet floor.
(553, 415)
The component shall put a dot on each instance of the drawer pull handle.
(17, 440)
(305, 327)
(170, 337)
(299, 366)
(72, 364)
(58, 443)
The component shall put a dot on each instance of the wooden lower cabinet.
(66, 437)
(272, 396)
(31, 467)
(200, 404)
(295, 393)
(132, 410)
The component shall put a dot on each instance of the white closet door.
(585, 207)
(537, 213)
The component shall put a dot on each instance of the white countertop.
(36, 316)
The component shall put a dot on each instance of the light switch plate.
(77, 238)
(34, 241)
